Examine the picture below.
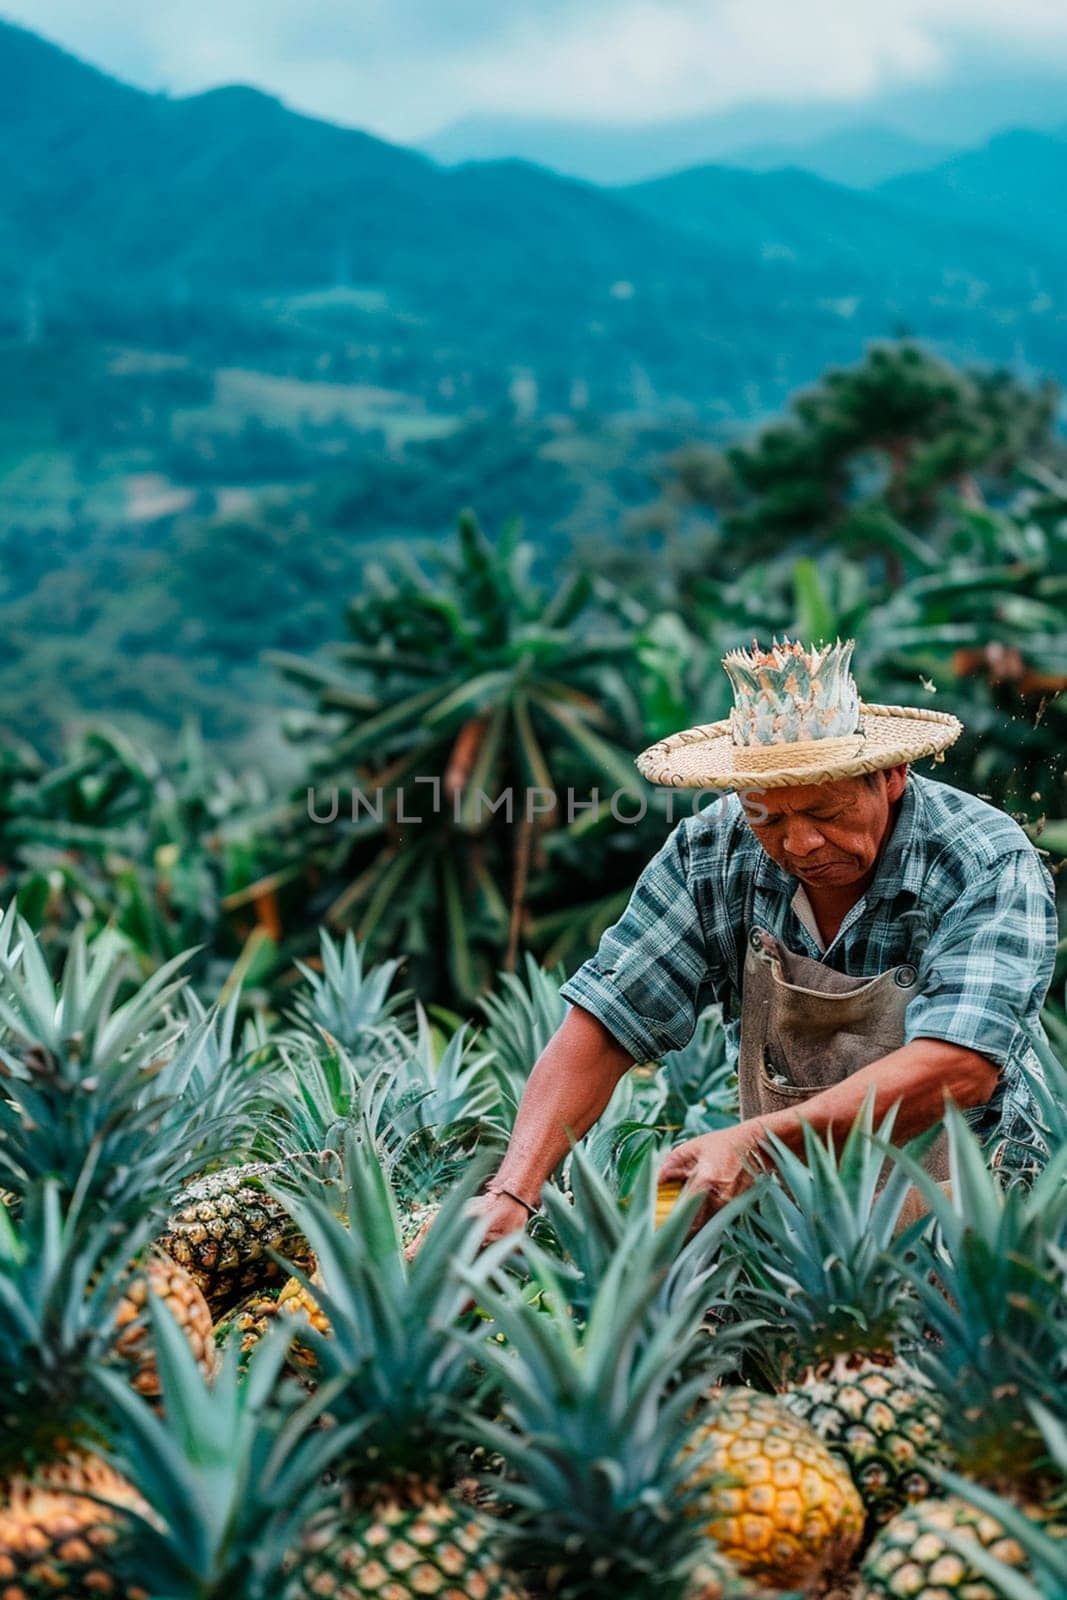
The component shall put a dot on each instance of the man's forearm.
(572, 1082)
(920, 1076)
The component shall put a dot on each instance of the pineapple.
(253, 1317)
(170, 1283)
(992, 1289)
(54, 1539)
(1016, 1541)
(248, 1321)
(784, 1511)
(398, 1374)
(667, 1197)
(824, 1264)
(927, 1550)
(597, 1428)
(62, 1275)
(411, 1541)
(224, 1227)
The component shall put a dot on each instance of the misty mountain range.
(712, 285)
(889, 133)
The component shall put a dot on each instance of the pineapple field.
(251, 1344)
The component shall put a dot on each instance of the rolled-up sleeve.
(985, 972)
(649, 979)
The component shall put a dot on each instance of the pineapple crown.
(991, 1287)
(239, 1460)
(597, 1430)
(790, 694)
(398, 1361)
(63, 1270)
(824, 1260)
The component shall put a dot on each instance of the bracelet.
(509, 1195)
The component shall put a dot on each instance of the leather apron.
(805, 1027)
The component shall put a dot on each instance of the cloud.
(403, 67)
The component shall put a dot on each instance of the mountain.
(832, 232)
(221, 216)
(980, 99)
(858, 157)
(1014, 182)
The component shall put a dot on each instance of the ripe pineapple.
(824, 1265)
(398, 1374)
(667, 1197)
(252, 1319)
(54, 1540)
(223, 1228)
(784, 1510)
(598, 1393)
(62, 1275)
(172, 1284)
(993, 1293)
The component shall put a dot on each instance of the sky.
(405, 68)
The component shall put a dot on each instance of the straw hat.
(797, 718)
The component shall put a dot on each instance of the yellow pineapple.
(55, 1541)
(667, 1197)
(992, 1291)
(249, 1321)
(783, 1510)
(173, 1285)
(224, 1227)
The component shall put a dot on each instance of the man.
(864, 928)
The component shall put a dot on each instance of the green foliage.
(916, 507)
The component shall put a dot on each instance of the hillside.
(834, 231)
(1014, 182)
(192, 217)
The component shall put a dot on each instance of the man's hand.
(714, 1164)
(500, 1215)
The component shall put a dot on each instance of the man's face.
(825, 834)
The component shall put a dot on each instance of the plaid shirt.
(959, 891)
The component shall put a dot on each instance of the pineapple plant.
(400, 1373)
(587, 1224)
(346, 999)
(227, 1472)
(597, 1428)
(80, 1071)
(118, 1100)
(824, 1264)
(62, 1274)
(106, 1102)
(992, 1283)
